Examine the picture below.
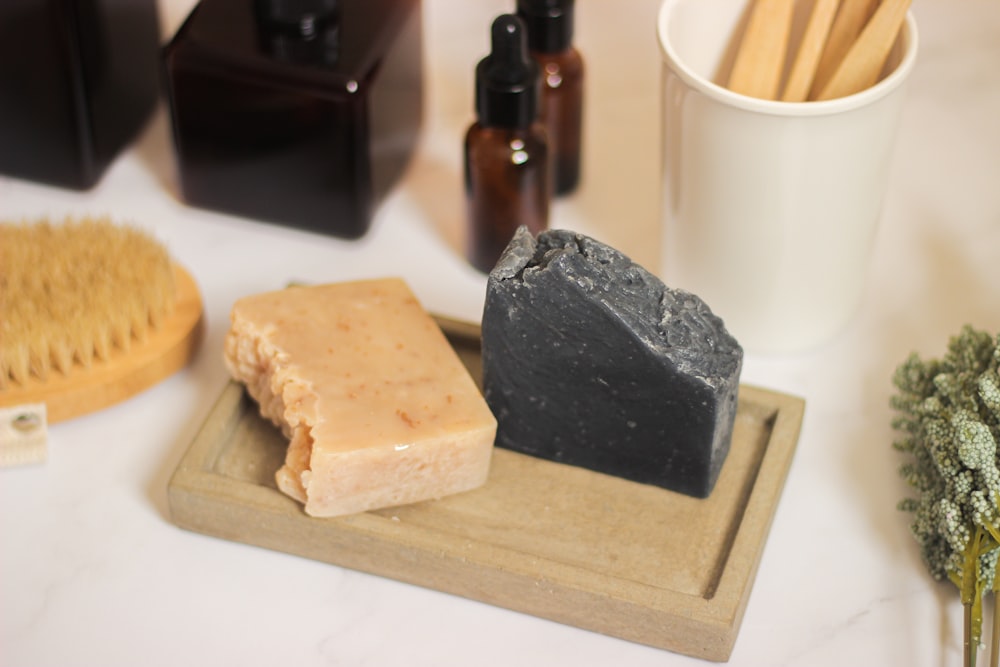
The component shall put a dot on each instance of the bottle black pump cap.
(507, 79)
(549, 23)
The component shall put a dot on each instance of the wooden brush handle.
(866, 58)
(760, 58)
(165, 350)
(847, 25)
(810, 49)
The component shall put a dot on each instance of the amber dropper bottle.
(550, 43)
(507, 182)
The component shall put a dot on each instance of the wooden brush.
(90, 314)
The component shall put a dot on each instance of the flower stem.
(969, 645)
(995, 638)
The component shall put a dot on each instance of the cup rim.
(777, 107)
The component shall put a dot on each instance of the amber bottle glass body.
(561, 69)
(507, 184)
(561, 112)
(507, 161)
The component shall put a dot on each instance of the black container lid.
(507, 79)
(300, 31)
(549, 23)
(299, 16)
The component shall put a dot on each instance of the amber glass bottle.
(550, 43)
(507, 170)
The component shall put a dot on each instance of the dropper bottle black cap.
(507, 79)
(549, 24)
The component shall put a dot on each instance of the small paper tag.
(23, 435)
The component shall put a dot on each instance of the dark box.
(306, 125)
(78, 79)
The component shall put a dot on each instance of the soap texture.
(378, 407)
(590, 360)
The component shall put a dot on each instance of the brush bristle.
(72, 293)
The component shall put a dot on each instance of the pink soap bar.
(379, 409)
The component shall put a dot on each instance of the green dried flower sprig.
(948, 412)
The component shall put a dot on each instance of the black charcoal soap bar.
(590, 360)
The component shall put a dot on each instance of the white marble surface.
(92, 572)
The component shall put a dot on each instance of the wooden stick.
(806, 60)
(847, 25)
(866, 58)
(760, 59)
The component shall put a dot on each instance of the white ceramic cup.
(770, 208)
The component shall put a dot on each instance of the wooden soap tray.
(562, 543)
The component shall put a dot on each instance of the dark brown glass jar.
(298, 113)
(78, 80)
(561, 68)
(507, 162)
